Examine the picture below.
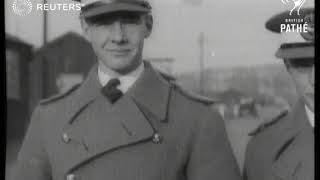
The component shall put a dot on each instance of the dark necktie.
(111, 91)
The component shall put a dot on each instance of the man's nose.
(118, 33)
(311, 76)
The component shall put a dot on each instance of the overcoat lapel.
(99, 127)
(86, 94)
(151, 93)
(294, 158)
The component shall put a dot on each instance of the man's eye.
(103, 20)
(107, 21)
(303, 69)
(131, 20)
(301, 63)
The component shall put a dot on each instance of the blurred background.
(219, 49)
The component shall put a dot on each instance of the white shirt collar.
(310, 115)
(126, 81)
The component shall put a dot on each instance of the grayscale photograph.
(160, 89)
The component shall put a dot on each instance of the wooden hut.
(18, 56)
(63, 61)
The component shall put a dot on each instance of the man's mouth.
(119, 52)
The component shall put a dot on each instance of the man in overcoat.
(125, 121)
(283, 148)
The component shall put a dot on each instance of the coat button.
(71, 177)
(65, 138)
(157, 138)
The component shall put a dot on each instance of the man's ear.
(85, 29)
(149, 24)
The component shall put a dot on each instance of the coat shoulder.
(192, 108)
(193, 96)
(60, 96)
(188, 94)
(269, 123)
(260, 148)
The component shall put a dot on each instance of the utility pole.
(43, 63)
(45, 25)
(201, 61)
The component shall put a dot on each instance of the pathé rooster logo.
(297, 5)
(22, 7)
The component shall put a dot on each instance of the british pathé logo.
(297, 4)
(22, 7)
(303, 25)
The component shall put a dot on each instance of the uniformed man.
(125, 121)
(283, 148)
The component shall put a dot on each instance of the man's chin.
(125, 69)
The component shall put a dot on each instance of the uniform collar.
(126, 81)
(310, 115)
(293, 124)
(150, 91)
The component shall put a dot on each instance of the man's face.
(302, 72)
(117, 39)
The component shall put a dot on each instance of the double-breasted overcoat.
(153, 132)
(284, 150)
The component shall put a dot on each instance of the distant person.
(283, 148)
(125, 121)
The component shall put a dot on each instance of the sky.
(234, 30)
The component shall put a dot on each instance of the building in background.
(59, 65)
(18, 56)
